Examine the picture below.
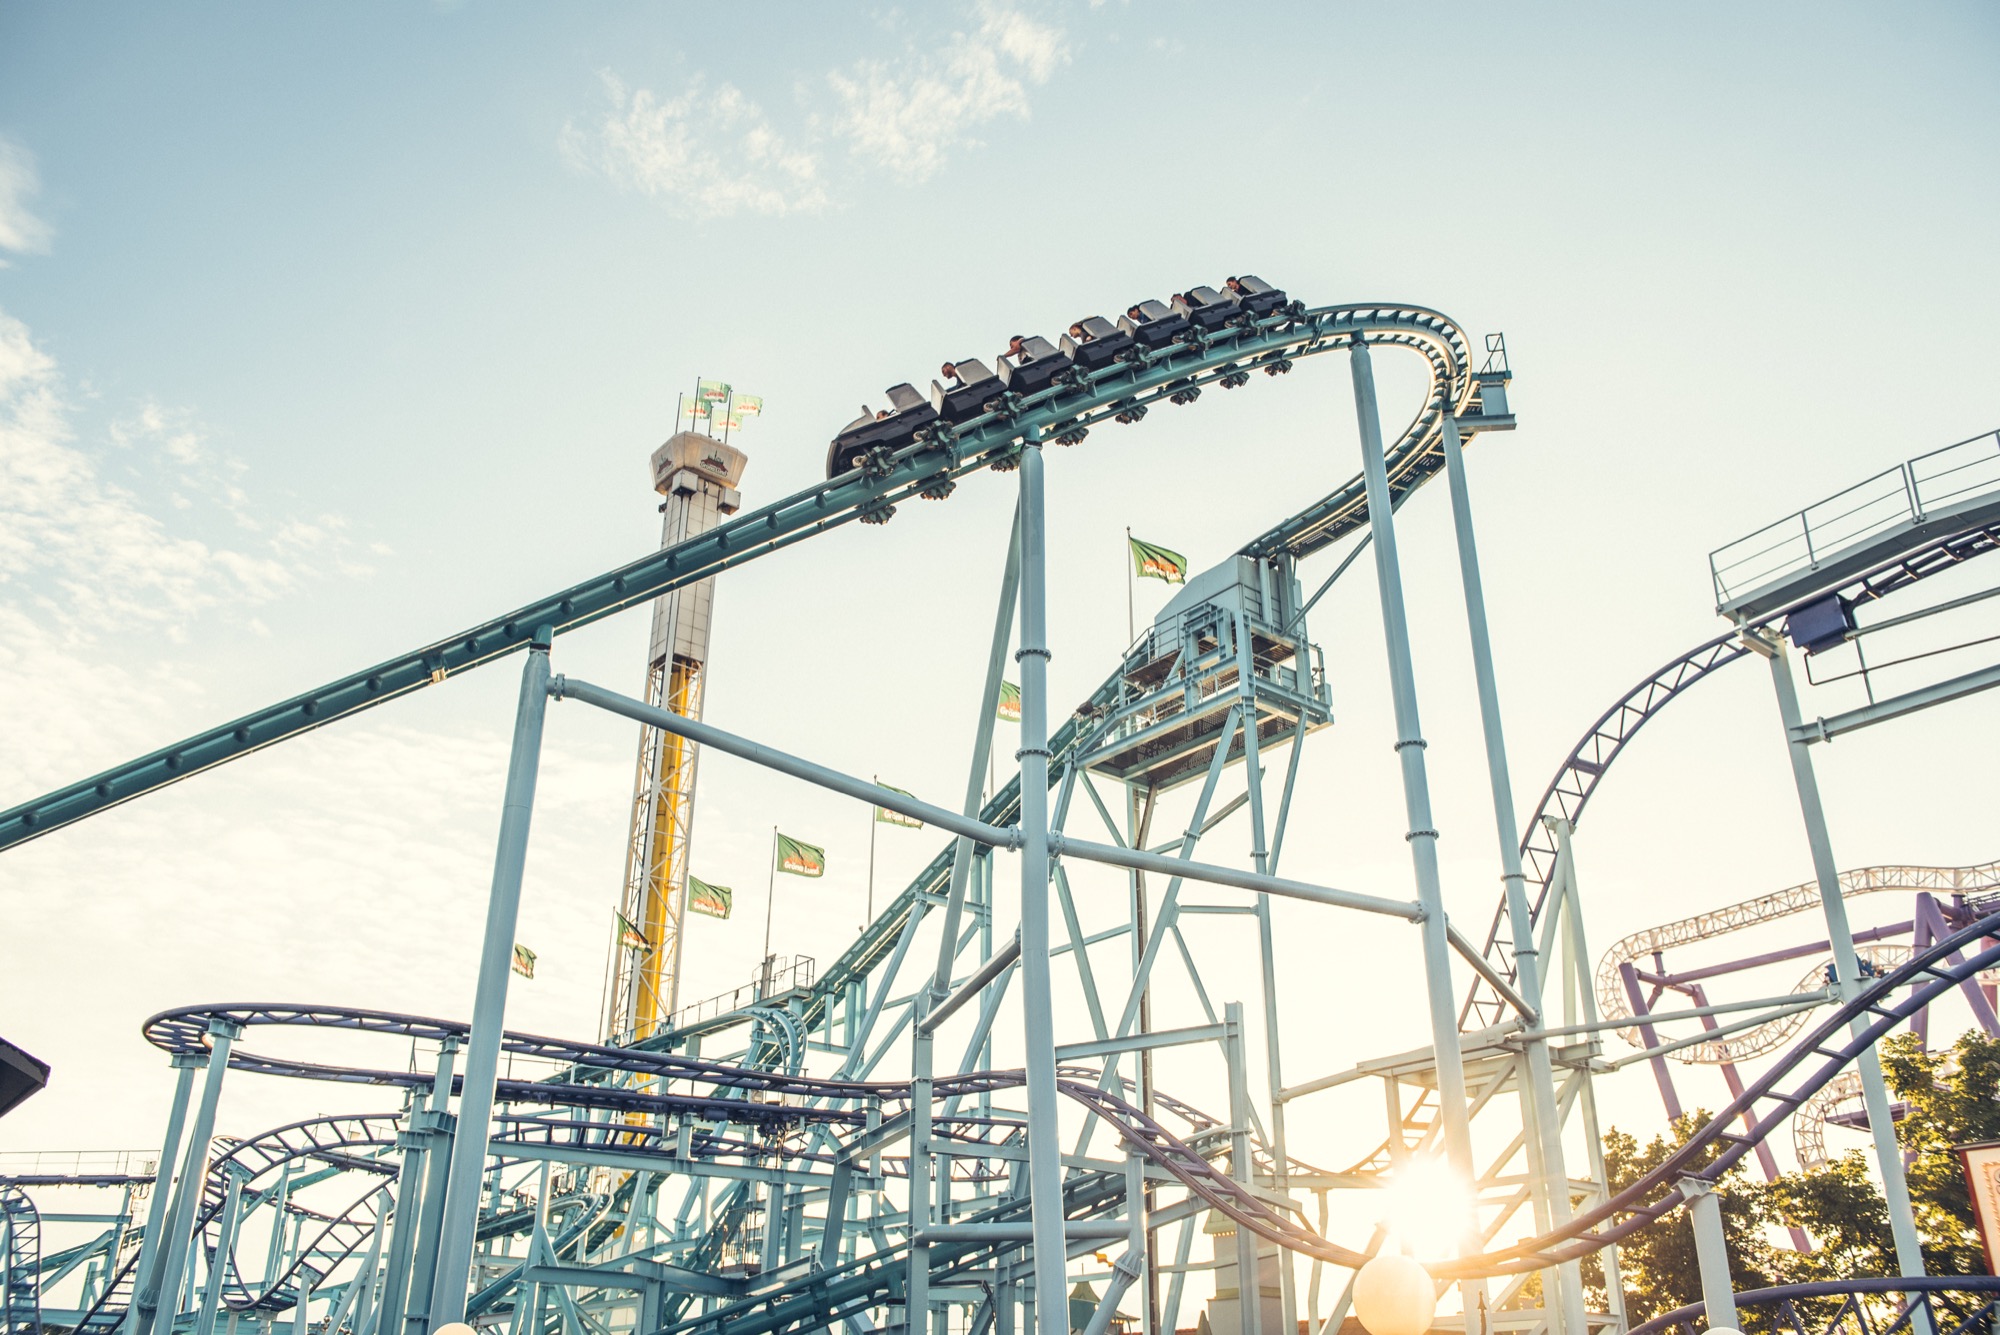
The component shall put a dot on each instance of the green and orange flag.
(714, 900)
(629, 935)
(800, 859)
(749, 405)
(524, 961)
(1154, 562)
(888, 817)
(1010, 703)
(713, 391)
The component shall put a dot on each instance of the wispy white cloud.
(83, 554)
(20, 230)
(907, 116)
(712, 151)
(350, 865)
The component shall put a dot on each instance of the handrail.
(1911, 498)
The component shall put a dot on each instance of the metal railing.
(78, 1163)
(1172, 696)
(776, 976)
(1903, 494)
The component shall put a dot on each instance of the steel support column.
(1718, 1292)
(1874, 1091)
(1544, 1130)
(225, 1242)
(165, 1295)
(144, 1279)
(489, 1007)
(1242, 1167)
(418, 1198)
(1422, 834)
(1038, 1020)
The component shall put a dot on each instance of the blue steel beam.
(1065, 411)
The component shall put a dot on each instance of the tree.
(1954, 1099)
(1948, 1098)
(1658, 1262)
(1842, 1212)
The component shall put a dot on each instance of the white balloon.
(1724, 1330)
(454, 1328)
(1394, 1295)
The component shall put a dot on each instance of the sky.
(327, 332)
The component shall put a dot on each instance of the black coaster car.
(966, 390)
(1255, 295)
(893, 427)
(1094, 343)
(1205, 308)
(1153, 324)
(1030, 364)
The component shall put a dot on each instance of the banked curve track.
(1577, 778)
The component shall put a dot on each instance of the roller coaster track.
(329, 1139)
(867, 1282)
(828, 1297)
(1065, 411)
(20, 1262)
(1784, 1087)
(1927, 1289)
(587, 1208)
(1927, 975)
(1809, 1135)
(1570, 791)
(1788, 1085)
(928, 467)
(1613, 1004)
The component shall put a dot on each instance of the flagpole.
(1131, 630)
(770, 898)
(872, 823)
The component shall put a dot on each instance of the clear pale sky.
(327, 331)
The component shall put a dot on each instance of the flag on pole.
(714, 900)
(1153, 562)
(524, 960)
(800, 859)
(749, 405)
(1010, 703)
(696, 411)
(628, 935)
(712, 391)
(888, 817)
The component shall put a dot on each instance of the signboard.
(1982, 1182)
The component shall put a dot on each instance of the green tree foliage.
(1842, 1213)
(1947, 1099)
(1954, 1099)
(1658, 1262)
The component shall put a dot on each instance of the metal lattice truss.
(1613, 1004)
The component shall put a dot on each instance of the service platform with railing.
(1857, 529)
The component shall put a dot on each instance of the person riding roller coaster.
(1031, 365)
